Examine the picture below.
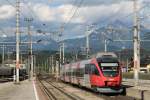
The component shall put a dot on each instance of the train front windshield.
(109, 69)
(109, 66)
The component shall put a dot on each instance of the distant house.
(12, 63)
(144, 64)
(9, 63)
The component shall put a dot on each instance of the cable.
(2, 31)
(78, 6)
(112, 17)
(14, 6)
(30, 9)
(62, 27)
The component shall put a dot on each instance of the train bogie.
(110, 90)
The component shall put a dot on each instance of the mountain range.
(111, 33)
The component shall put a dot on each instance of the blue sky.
(51, 14)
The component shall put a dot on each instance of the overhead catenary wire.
(73, 12)
(14, 6)
(69, 20)
(111, 18)
(30, 9)
(3, 31)
(72, 16)
(23, 15)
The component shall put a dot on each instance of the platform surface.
(23, 91)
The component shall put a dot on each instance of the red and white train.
(101, 73)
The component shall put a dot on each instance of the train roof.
(102, 57)
(107, 57)
(102, 54)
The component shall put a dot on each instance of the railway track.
(59, 91)
(54, 92)
(103, 96)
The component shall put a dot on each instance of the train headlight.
(148, 66)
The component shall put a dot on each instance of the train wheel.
(94, 89)
(124, 91)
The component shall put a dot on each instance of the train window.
(81, 72)
(77, 72)
(109, 69)
(107, 59)
(87, 69)
(91, 69)
(94, 70)
(73, 71)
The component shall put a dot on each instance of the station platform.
(141, 91)
(26, 90)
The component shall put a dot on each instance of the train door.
(94, 75)
(70, 73)
(87, 76)
(77, 71)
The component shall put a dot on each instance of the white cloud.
(88, 2)
(60, 14)
(44, 12)
(92, 13)
(96, 13)
(7, 11)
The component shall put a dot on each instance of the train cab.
(108, 76)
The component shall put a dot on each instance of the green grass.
(144, 76)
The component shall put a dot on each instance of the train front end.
(110, 75)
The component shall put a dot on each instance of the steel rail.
(49, 94)
(71, 96)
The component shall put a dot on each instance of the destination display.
(109, 64)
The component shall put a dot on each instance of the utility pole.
(60, 54)
(29, 20)
(105, 45)
(87, 42)
(60, 48)
(34, 65)
(63, 55)
(52, 65)
(3, 55)
(136, 42)
(127, 65)
(17, 39)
